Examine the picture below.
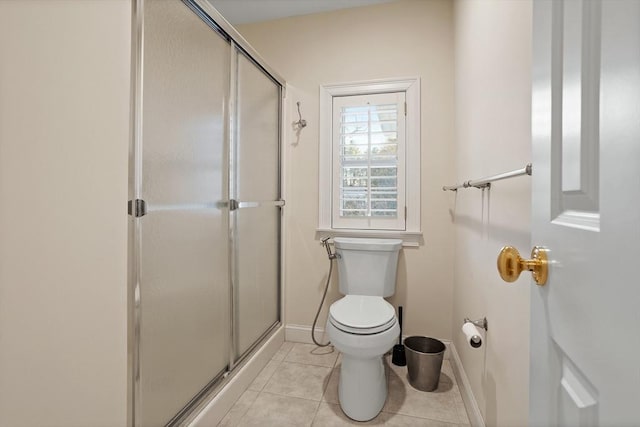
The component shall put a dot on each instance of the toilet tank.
(367, 266)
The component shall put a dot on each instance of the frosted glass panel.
(185, 291)
(257, 134)
(256, 230)
(258, 250)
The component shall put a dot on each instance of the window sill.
(409, 238)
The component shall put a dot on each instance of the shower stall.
(205, 207)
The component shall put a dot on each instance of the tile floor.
(299, 387)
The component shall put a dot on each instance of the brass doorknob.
(511, 264)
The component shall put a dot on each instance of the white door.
(585, 322)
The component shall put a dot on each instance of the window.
(370, 159)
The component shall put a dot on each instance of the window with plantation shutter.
(368, 161)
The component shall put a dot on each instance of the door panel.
(184, 283)
(257, 134)
(586, 211)
(256, 222)
(258, 260)
(576, 67)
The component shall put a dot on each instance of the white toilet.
(362, 325)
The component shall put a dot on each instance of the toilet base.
(363, 387)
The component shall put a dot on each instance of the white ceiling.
(246, 11)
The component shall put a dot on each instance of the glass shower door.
(255, 216)
(184, 337)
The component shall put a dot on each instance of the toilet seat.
(362, 314)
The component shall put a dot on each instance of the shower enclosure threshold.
(222, 398)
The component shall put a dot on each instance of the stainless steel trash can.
(424, 361)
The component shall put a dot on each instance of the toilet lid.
(362, 314)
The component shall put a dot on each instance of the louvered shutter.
(368, 161)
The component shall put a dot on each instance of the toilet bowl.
(362, 325)
(362, 340)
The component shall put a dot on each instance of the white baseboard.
(470, 403)
(302, 334)
(220, 404)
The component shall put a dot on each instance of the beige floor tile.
(446, 374)
(283, 351)
(330, 415)
(310, 354)
(297, 383)
(463, 416)
(264, 376)
(297, 380)
(439, 405)
(398, 420)
(274, 410)
(238, 410)
(331, 392)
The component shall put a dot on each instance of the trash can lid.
(362, 311)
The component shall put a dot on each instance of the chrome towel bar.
(486, 181)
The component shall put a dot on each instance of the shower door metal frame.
(239, 45)
(234, 204)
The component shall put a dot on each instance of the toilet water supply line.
(332, 256)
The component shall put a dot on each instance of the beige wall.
(493, 109)
(64, 135)
(411, 38)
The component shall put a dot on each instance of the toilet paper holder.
(470, 328)
(480, 323)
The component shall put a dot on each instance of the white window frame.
(412, 235)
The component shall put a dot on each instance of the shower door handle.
(237, 204)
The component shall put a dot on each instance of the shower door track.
(217, 384)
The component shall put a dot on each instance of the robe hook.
(301, 122)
